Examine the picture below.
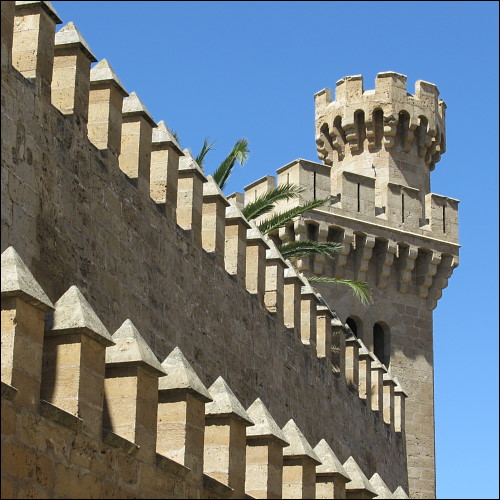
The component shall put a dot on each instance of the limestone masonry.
(156, 345)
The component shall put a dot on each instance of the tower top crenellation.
(384, 117)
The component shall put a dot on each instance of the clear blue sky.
(250, 69)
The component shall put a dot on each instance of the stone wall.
(80, 213)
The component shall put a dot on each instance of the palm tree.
(239, 154)
(267, 202)
(296, 249)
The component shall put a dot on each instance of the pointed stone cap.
(377, 365)
(336, 321)
(17, 281)
(399, 493)
(47, 6)
(308, 291)
(73, 314)
(133, 106)
(131, 348)
(380, 487)
(265, 425)
(363, 351)
(225, 404)
(388, 379)
(163, 135)
(330, 464)
(69, 36)
(233, 213)
(253, 234)
(291, 274)
(273, 254)
(212, 190)
(102, 72)
(358, 480)
(180, 377)
(399, 389)
(298, 447)
(188, 164)
(238, 199)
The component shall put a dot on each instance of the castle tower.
(378, 149)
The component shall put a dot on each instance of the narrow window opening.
(255, 194)
(314, 185)
(381, 347)
(444, 219)
(288, 178)
(352, 325)
(359, 196)
(402, 208)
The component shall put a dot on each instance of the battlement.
(114, 221)
(387, 117)
(158, 417)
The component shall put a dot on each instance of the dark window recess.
(352, 325)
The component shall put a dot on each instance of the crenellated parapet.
(111, 203)
(106, 400)
(386, 117)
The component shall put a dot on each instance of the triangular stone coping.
(69, 36)
(17, 281)
(225, 403)
(102, 72)
(363, 350)
(234, 213)
(181, 377)
(264, 423)
(380, 487)
(336, 320)
(188, 164)
(330, 464)
(399, 492)
(358, 480)
(299, 446)
(162, 134)
(47, 6)
(212, 190)
(388, 378)
(254, 234)
(377, 365)
(132, 105)
(131, 348)
(73, 314)
(308, 290)
(399, 388)
(273, 253)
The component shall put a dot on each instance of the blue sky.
(250, 69)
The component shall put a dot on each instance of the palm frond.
(308, 247)
(266, 201)
(239, 153)
(282, 218)
(204, 150)
(358, 288)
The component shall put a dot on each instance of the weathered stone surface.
(73, 314)
(358, 481)
(380, 487)
(70, 36)
(130, 347)
(132, 105)
(181, 376)
(17, 281)
(224, 403)
(103, 72)
(330, 464)
(264, 423)
(299, 446)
